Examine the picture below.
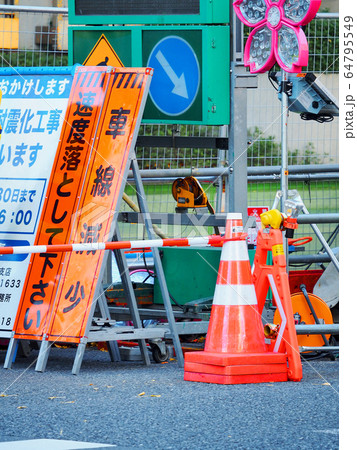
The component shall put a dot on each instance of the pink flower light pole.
(277, 35)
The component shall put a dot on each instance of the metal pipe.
(318, 218)
(251, 178)
(271, 330)
(122, 312)
(237, 144)
(323, 241)
(182, 173)
(167, 180)
(223, 132)
(284, 171)
(301, 168)
(327, 16)
(34, 9)
(219, 171)
(297, 259)
(331, 348)
(205, 219)
(317, 329)
(177, 219)
(141, 266)
(296, 177)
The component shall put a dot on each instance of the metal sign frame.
(97, 12)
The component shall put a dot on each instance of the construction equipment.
(317, 312)
(295, 199)
(280, 221)
(308, 309)
(275, 277)
(188, 193)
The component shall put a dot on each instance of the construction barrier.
(214, 241)
(275, 277)
(235, 351)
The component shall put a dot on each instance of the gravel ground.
(134, 406)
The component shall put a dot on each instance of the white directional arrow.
(178, 82)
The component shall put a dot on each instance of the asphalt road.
(134, 406)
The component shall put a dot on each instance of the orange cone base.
(235, 368)
(235, 379)
(253, 369)
(235, 359)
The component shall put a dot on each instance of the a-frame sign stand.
(109, 333)
(138, 333)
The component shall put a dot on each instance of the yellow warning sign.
(103, 54)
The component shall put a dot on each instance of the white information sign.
(32, 109)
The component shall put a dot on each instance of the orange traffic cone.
(235, 350)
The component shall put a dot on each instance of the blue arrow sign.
(176, 78)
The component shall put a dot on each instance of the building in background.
(43, 31)
(331, 5)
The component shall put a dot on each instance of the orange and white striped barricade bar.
(205, 241)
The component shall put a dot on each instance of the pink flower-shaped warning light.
(277, 36)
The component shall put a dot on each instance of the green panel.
(217, 76)
(83, 39)
(190, 273)
(213, 56)
(194, 37)
(134, 44)
(155, 12)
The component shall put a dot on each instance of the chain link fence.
(33, 36)
(309, 142)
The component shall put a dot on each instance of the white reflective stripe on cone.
(281, 311)
(235, 251)
(234, 294)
